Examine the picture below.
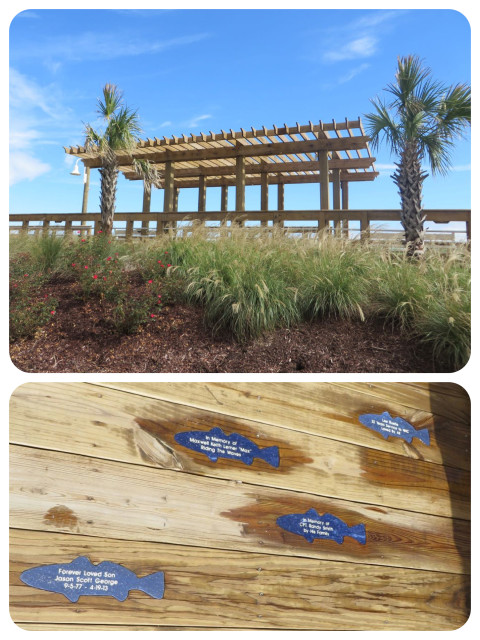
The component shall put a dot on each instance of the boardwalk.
(97, 470)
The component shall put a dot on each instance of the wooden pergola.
(324, 153)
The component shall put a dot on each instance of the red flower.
(74, 264)
(169, 265)
(86, 267)
(95, 277)
(152, 315)
(52, 312)
(150, 281)
(109, 258)
(84, 240)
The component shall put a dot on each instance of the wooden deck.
(96, 471)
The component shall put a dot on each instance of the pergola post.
(147, 198)
(336, 197)
(324, 180)
(168, 196)
(224, 198)
(344, 188)
(240, 184)
(202, 193)
(264, 195)
(278, 222)
(176, 192)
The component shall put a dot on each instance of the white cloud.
(353, 72)
(24, 166)
(462, 167)
(359, 38)
(363, 47)
(88, 46)
(38, 118)
(195, 122)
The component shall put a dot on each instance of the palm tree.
(121, 133)
(421, 121)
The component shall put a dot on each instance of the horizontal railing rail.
(338, 219)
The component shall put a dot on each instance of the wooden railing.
(368, 222)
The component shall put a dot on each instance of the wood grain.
(95, 470)
(130, 428)
(52, 491)
(326, 409)
(207, 588)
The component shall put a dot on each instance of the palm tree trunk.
(409, 179)
(108, 191)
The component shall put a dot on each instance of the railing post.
(364, 226)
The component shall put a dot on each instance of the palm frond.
(381, 127)
(112, 97)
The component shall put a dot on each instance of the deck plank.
(207, 588)
(326, 409)
(53, 491)
(134, 429)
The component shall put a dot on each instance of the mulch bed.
(79, 340)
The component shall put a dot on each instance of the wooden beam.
(274, 148)
(324, 180)
(146, 207)
(276, 178)
(254, 169)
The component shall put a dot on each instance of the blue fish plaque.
(396, 427)
(82, 578)
(216, 444)
(311, 525)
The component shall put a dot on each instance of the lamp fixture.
(75, 171)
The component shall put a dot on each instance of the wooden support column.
(202, 193)
(336, 198)
(240, 185)
(344, 189)
(168, 193)
(176, 192)
(224, 198)
(344, 186)
(278, 221)
(264, 196)
(324, 180)
(147, 196)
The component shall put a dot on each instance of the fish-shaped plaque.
(216, 444)
(83, 578)
(384, 424)
(311, 525)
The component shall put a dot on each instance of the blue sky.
(188, 71)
